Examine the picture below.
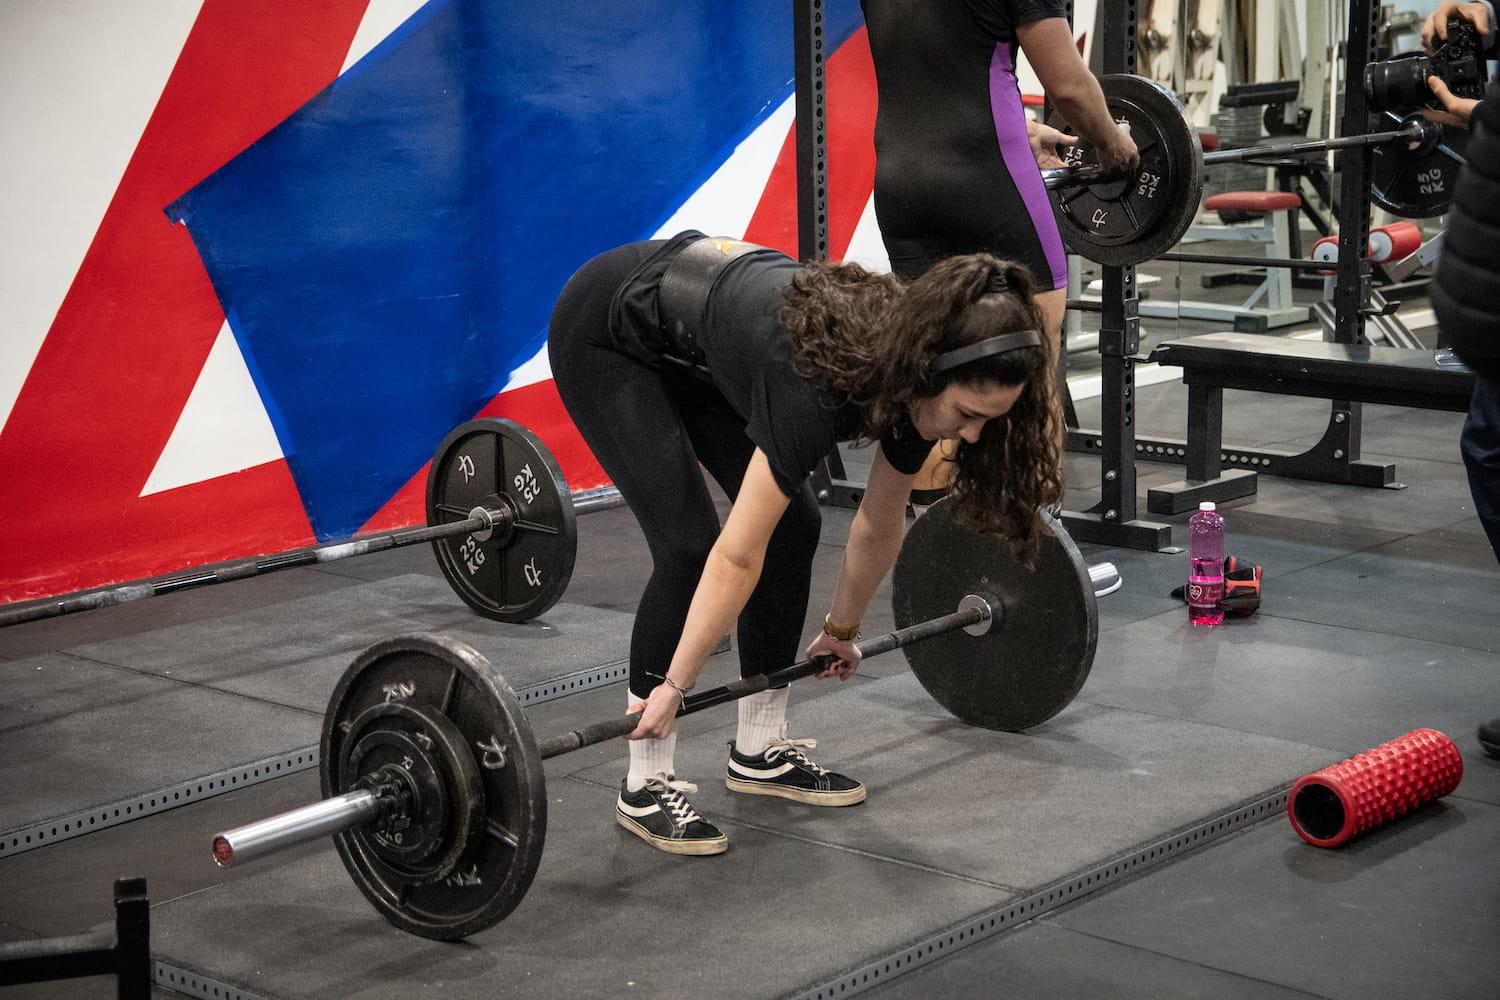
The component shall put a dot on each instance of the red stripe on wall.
(851, 158)
(136, 326)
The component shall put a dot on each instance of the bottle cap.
(1207, 505)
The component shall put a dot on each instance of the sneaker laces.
(670, 794)
(792, 751)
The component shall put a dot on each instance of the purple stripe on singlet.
(1015, 149)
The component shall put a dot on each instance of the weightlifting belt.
(682, 297)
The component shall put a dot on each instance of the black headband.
(986, 348)
(995, 284)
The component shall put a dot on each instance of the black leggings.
(650, 429)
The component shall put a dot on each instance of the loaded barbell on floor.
(499, 517)
(1126, 219)
(433, 777)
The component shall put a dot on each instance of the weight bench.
(1359, 373)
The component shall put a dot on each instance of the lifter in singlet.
(956, 171)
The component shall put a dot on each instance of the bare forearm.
(723, 590)
(869, 556)
(1081, 101)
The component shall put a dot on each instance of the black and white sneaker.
(786, 772)
(661, 815)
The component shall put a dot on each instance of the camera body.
(1400, 84)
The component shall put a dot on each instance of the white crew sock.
(762, 719)
(648, 757)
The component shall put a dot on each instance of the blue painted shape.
(388, 254)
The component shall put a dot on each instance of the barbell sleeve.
(1105, 578)
(275, 833)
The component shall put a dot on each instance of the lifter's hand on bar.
(845, 652)
(658, 714)
(1120, 153)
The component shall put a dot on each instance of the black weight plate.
(1416, 184)
(446, 677)
(1125, 223)
(1034, 660)
(519, 571)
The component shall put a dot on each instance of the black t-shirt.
(788, 417)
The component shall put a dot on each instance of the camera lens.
(1398, 84)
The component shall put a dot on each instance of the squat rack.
(1113, 520)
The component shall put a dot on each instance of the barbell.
(499, 516)
(432, 775)
(1128, 218)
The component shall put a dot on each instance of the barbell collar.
(1064, 177)
(275, 833)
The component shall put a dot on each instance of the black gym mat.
(957, 819)
(1441, 585)
(1044, 961)
(1309, 683)
(1407, 911)
(293, 653)
(1436, 496)
(117, 719)
(76, 733)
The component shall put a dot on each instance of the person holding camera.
(1467, 275)
(1455, 110)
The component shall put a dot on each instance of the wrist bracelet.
(842, 634)
(681, 691)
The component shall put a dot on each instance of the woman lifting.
(671, 354)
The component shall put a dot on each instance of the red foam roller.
(1333, 806)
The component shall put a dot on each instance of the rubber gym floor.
(1134, 846)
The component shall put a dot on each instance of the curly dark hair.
(869, 339)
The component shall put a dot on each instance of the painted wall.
(263, 254)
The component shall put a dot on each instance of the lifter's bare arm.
(729, 576)
(1074, 91)
(875, 538)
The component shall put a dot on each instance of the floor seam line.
(1051, 919)
(200, 685)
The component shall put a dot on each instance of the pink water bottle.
(1205, 589)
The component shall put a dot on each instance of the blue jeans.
(1480, 444)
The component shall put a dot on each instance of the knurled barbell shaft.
(1405, 133)
(973, 611)
(493, 517)
(1064, 177)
